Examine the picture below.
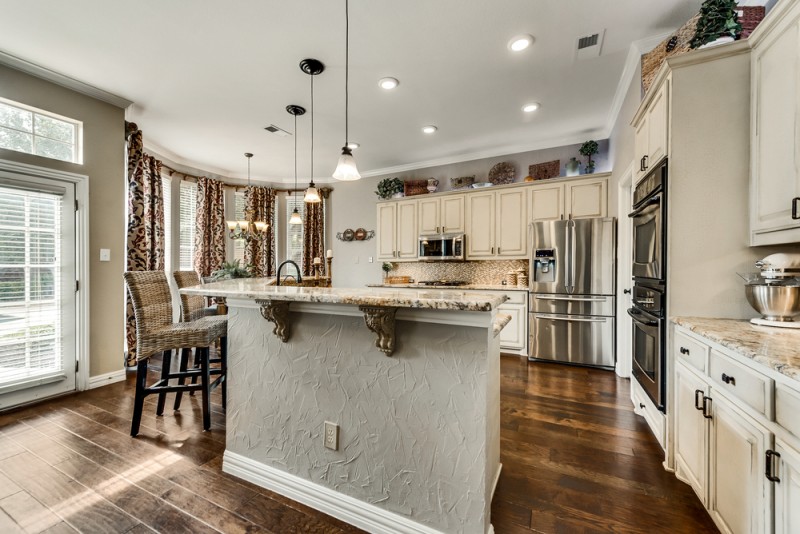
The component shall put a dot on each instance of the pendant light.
(346, 169)
(312, 69)
(295, 110)
(249, 229)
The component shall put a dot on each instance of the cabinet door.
(387, 218)
(407, 235)
(452, 214)
(787, 491)
(691, 430)
(640, 146)
(511, 216)
(480, 225)
(740, 495)
(587, 199)
(547, 202)
(512, 337)
(657, 127)
(775, 161)
(428, 216)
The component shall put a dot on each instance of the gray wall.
(104, 163)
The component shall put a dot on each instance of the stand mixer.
(774, 291)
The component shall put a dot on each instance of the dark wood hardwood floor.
(575, 459)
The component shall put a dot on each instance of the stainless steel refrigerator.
(573, 269)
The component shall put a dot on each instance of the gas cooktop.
(442, 283)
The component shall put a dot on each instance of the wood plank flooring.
(575, 457)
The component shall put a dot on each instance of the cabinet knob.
(728, 379)
(641, 405)
(626, 291)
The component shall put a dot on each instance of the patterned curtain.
(261, 254)
(145, 221)
(314, 232)
(209, 241)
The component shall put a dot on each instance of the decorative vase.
(433, 184)
(573, 167)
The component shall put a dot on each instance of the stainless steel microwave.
(441, 247)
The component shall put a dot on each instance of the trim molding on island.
(353, 511)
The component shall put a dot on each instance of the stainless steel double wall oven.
(649, 311)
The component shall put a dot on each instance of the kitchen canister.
(522, 278)
(511, 278)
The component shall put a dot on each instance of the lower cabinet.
(691, 434)
(787, 488)
(514, 337)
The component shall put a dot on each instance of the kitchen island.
(411, 378)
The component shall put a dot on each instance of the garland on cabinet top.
(718, 18)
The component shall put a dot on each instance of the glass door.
(37, 289)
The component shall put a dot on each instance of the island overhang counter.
(411, 378)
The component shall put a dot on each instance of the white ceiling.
(207, 76)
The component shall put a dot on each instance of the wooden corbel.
(380, 319)
(276, 311)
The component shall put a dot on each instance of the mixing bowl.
(775, 302)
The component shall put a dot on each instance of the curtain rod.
(192, 178)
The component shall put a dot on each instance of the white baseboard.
(349, 509)
(106, 379)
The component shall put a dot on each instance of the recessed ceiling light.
(429, 129)
(352, 146)
(388, 83)
(520, 42)
(528, 108)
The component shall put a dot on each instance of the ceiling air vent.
(277, 131)
(589, 45)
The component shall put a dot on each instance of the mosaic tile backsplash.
(472, 272)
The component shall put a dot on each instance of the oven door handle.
(638, 211)
(637, 316)
(572, 318)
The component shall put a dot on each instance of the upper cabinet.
(577, 199)
(775, 130)
(441, 215)
(497, 224)
(397, 230)
(650, 138)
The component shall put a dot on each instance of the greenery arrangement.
(388, 187)
(718, 18)
(232, 270)
(589, 149)
(387, 266)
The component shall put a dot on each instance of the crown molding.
(60, 79)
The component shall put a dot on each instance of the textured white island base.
(419, 442)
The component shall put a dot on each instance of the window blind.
(238, 210)
(188, 224)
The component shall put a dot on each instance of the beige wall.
(103, 155)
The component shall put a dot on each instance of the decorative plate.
(360, 234)
(502, 173)
(348, 235)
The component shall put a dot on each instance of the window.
(34, 131)
(188, 224)
(294, 232)
(238, 210)
(166, 186)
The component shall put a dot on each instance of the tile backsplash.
(473, 272)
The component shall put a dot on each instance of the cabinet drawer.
(690, 351)
(787, 406)
(744, 383)
(517, 297)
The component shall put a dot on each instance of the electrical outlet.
(331, 438)
(370, 259)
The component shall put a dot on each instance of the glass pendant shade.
(312, 195)
(346, 170)
(295, 218)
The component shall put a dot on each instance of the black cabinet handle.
(796, 208)
(728, 379)
(641, 405)
(698, 399)
(707, 407)
(626, 291)
(768, 471)
(646, 166)
(685, 351)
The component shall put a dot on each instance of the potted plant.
(387, 267)
(589, 149)
(231, 270)
(718, 23)
(389, 187)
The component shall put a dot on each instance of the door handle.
(728, 379)
(498, 250)
(796, 208)
(575, 299)
(570, 318)
(698, 399)
(707, 407)
(769, 471)
(641, 163)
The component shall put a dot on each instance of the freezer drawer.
(576, 339)
(572, 304)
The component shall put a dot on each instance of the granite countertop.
(500, 322)
(469, 287)
(436, 299)
(776, 348)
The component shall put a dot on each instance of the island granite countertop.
(465, 287)
(436, 299)
(774, 347)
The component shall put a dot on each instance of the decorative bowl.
(773, 301)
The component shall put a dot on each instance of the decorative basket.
(543, 171)
(652, 61)
(397, 280)
(749, 18)
(462, 182)
(415, 187)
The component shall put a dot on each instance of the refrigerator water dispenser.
(544, 265)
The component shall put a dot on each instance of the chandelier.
(248, 229)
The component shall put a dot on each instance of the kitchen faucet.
(299, 276)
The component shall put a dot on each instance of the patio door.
(37, 288)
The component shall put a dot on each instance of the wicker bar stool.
(155, 332)
(194, 307)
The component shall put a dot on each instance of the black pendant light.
(295, 110)
(346, 169)
(312, 67)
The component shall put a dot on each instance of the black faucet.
(299, 276)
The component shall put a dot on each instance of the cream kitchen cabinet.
(397, 231)
(514, 337)
(443, 215)
(691, 435)
(787, 488)
(497, 224)
(775, 129)
(576, 199)
(651, 132)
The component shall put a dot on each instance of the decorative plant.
(589, 149)
(718, 18)
(388, 187)
(387, 266)
(231, 270)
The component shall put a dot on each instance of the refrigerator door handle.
(573, 253)
(568, 258)
(574, 299)
(571, 318)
